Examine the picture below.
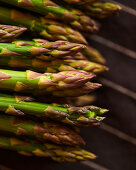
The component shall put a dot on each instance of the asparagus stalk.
(57, 48)
(72, 48)
(57, 153)
(9, 49)
(8, 33)
(24, 48)
(102, 10)
(54, 11)
(81, 65)
(51, 66)
(49, 29)
(29, 81)
(46, 8)
(79, 116)
(47, 131)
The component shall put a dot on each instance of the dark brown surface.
(115, 153)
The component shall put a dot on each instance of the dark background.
(115, 140)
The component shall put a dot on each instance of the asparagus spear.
(54, 11)
(87, 52)
(24, 48)
(81, 65)
(79, 116)
(8, 33)
(57, 153)
(29, 81)
(51, 66)
(9, 49)
(57, 48)
(49, 29)
(46, 8)
(47, 131)
(101, 10)
(59, 84)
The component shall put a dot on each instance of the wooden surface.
(115, 141)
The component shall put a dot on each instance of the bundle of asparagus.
(46, 122)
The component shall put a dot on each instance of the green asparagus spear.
(51, 66)
(8, 33)
(57, 153)
(29, 81)
(81, 65)
(46, 8)
(46, 28)
(72, 48)
(102, 10)
(9, 49)
(79, 116)
(47, 131)
(57, 48)
(24, 48)
(54, 11)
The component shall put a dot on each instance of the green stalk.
(9, 49)
(57, 153)
(8, 32)
(83, 65)
(51, 66)
(71, 49)
(46, 8)
(49, 29)
(101, 10)
(29, 81)
(47, 131)
(79, 116)
(57, 48)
